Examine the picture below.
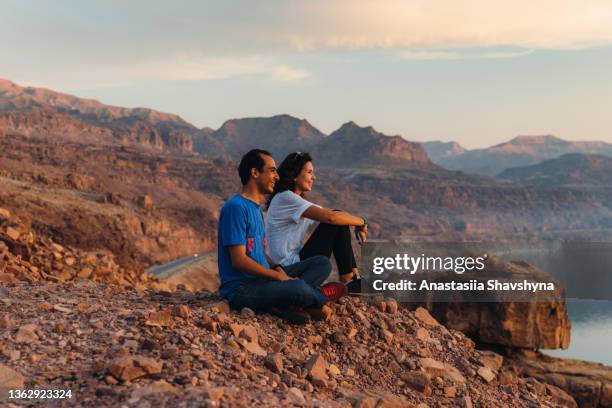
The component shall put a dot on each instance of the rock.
(10, 378)
(85, 273)
(17, 248)
(450, 392)
(422, 334)
(62, 308)
(424, 316)
(57, 248)
(538, 324)
(491, 360)
(221, 307)
(586, 382)
(8, 278)
(465, 402)
(156, 387)
(209, 324)
(6, 322)
(236, 329)
(585, 391)
(387, 335)
(563, 399)
(389, 400)
(12, 233)
(333, 370)
(146, 202)
(253, 347)
(249, 333)
(317, 339)
(433, 367)
(274, 361)
(5, 214)
(316, 366)
(486, 374)
(162, 318)
(418, 381)
(214, 393)
(27, 334)
(181, 311)
(392, 306)
(295, 396)
(127, 368)
(438, 369)
(606, 395)
(247, 313)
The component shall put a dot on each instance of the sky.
(478, 72)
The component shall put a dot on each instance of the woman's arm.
(328, 216)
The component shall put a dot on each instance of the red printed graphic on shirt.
(250, 244)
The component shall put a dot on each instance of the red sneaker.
(334, 290)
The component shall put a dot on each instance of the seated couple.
(282, 275)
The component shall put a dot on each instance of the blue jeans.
(263, 294)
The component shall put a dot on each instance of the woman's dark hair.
(252, 159)
(288, 170)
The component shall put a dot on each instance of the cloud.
(199, 68)
(117, 41)
(285, 73)
(180, 67)
(357, 24)
(425, 55)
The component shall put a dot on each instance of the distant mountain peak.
(439, 151)
(352, 145)
(535, 139)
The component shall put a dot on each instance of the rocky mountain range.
(571, 170)
(520, 151)
(64, 165)
(350, 146)
(39, 112)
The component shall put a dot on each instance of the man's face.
(267, 178)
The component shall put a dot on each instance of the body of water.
(591, 331)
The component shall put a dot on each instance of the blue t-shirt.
(241, 223)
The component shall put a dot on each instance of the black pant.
(327, 239)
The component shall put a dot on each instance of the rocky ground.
(29, 257)
(589, 383)
(112, 345)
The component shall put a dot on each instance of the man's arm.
(241, 261)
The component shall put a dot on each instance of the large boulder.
(538, 321)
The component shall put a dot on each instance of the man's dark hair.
(289, 169)
(251, 160)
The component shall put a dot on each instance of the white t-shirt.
(286, 228)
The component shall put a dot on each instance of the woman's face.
(304, 180)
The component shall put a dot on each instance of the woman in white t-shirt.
(290, 216)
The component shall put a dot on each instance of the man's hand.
(282, 275)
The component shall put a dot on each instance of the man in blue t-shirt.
(247, 278)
